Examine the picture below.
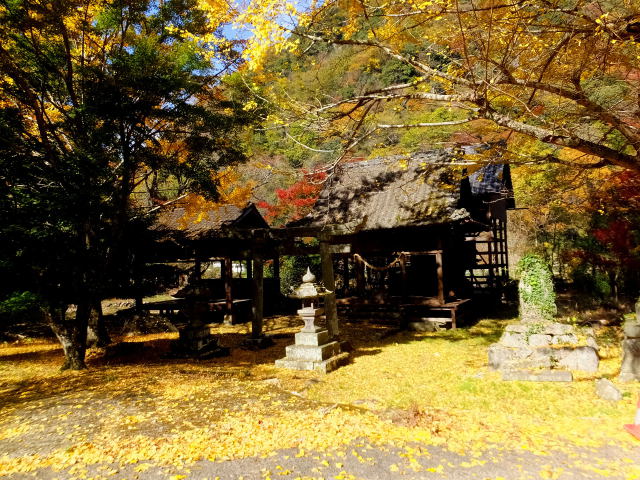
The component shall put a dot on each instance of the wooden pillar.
(278, 300)
(276, 269)
(228, 294)
(197, 270)
(249, 268)
(440, 277)
(404, 284)
(258, 297)
(329, 281)
(137, 266)
(359, 267)
(346, 277)
(491, 263)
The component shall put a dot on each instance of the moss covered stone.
(536, 291)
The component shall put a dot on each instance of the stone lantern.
(313, 350)
(312, 295)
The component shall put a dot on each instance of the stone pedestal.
(313, 350)
(551, 346)
(630, 369)
(196, 341)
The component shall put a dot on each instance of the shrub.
(293, 268)
(536, 292)
(20, 307)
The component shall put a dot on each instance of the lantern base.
(313, 351)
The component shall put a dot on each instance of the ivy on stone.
(536, 291)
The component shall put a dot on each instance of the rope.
(397, 261)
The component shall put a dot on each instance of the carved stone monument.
(313, 349)
(538, 348)
(631, 349)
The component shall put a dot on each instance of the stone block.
(539, 340)
(632, 330)
(541, 328)
(513, 340)
(424, 326)
(565, 339)
(580, 358)
(606, 390)
(517, 328)
(537, 376)
(313, 353)
(501, 357)
(630, 369)
(324, 366)
(558, 329)
(591, 342)
(312, 338)
(332, 363)
(295, 364)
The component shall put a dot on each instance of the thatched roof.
(390, 192)
(211, 223)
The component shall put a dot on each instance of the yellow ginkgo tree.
(562, 72)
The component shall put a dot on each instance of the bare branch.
(306, 146)
(434, 124)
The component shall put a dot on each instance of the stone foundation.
(551, 346)
(313, 351)
(196, 341)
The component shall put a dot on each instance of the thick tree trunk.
(97, 334)
(72, 334)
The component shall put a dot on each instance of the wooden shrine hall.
(416, 237)
(229, 236)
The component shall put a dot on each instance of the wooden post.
(276, 268)
(249, 268)
(491, 263)
(440, 277)
(197, 270)
(137, 283)
(345, 272)
(276, 278)
(258, 297)
(329, 281)
(359, 267)
(228, 294)
(403, 270)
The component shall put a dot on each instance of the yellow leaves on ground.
(401, 390)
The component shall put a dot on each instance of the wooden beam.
(329, 281)
(341, 248)
(258, 298)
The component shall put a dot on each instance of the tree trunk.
(72, 334)
(97, 334)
